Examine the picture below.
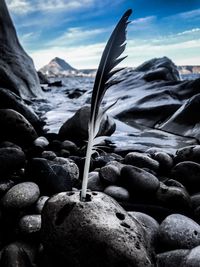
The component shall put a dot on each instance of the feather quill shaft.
(110, 59)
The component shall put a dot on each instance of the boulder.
(94, 233)
(9, 100)
(17, 71)
(15, 128)
(76, 128)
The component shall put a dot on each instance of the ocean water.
(59, 104)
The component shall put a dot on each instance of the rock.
(165, 161)
(17, 70)
(109, 174)
(70, 167)
(18, 254)
(103, 160)
(173, 197)
(164, 64)
(179, 232)
(41, 141)
(69, 224)
(94, 182)
(76, 128)
(193, 258)
(188, 173)
(9, 100)
(117, 192)
(43, 79)
(185, 120)
(40, 204)
(141, 160)
(69, 145)
(51, 177)
(48, 155)
(56, 83)
(30, 224)
(11, 160)
(172, 258)
(188, 153)
(138, 181)
(15, 128)
(21, 196)
(150, 225)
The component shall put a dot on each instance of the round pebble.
(138, 181)
(21, 195)
(117, 192)
(179, 232)
(141, 160)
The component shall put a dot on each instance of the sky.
(77, 30)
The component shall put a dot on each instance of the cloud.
(195, 30)
(143, 21)
(75, 35)
(28, 6)
(86, 56)
(45, 6)
(19, 6)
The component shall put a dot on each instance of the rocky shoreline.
(158, 191)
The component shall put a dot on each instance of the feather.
(110, 59)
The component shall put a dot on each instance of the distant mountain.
(189, 69)
(58, 67)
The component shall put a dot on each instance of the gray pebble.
(21, 195)
(141, 160)
(179, 232)
(29, 224)
(117, 192)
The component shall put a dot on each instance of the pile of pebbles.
(159, 190)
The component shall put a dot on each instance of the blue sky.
(77, 30)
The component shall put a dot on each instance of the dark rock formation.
(153, 96)
(17, 71)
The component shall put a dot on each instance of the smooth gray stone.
(141, 160)
(117, 192)
(139, 181)
(21, 196)
(179, 232)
